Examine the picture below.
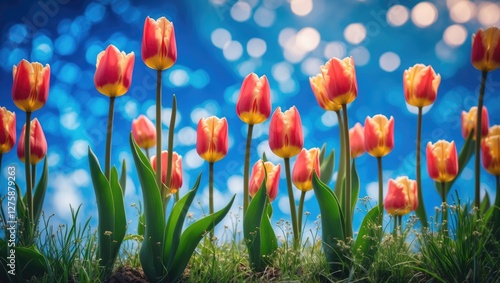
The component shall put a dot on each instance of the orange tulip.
(285, 133)
(176, 177)
(113, 74)
(491, 151)
(259, 171)
(357, 138)
(211, 140)
(38, 143)
(379, 135)
(401, 196)
(307, 162)
(485, 55)
(144, 132)
(254, 102)
(442, 161)
(30, 89)
(469, 121)
(420, 84)
(337, 79)
(159, 50)
(7, 130)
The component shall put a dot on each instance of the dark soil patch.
(127, 274)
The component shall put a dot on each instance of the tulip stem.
(29, 187)
(301, 210)
(33, 175)
(247, 168)
(158, 140)
(109, 131)
(347, 206)
(380, 192)
(291, 200)
(171, 145)
(1, 156)
(147, 153)
(420, 209)
(444, 218)
(395, 231)
(477, 199)
(211, 193)
(341, 172)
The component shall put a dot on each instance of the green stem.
(380, 192)
(147, 153)
(291, 200)
(444, 218)
(341, 173)
(247, 169)
(395, 231)
(211, 192)
(477, 168)
(348, 217)
(301, 210)
(158, 140)
(400, 223)
(171, 144)
(1, 156)
(497, 196)
(421, 208)
(33, 175)
(29, 187)
(109, 133)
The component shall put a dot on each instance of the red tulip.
(159, 50)
(307, 162)
(113, 74)
(285, 133)
(176, 177)
(254, 102)
(7, 130)
(38, 143)
(318, 87)
(211, 140)
(144, 132)
(357, 140)
(259, 171)
(442, 161)
(420, 84)
(485, 55)
(379, 135)
(30, 89)
(401, 196)
(469, 121)
(490, 146)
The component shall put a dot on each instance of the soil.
(126, 274)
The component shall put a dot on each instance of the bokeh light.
(424, 14)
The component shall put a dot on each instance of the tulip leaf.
(355, 187)
(268, 240)
(120, 225)
(252, 227)
(326, 168)
(28, 260)
(123, 177)
(366, 243)
(21, 206)
(485, 203)
(39, 194)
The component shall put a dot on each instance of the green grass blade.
(366, 243)
(326, 168)
(252, 227)
(39, 195)
(355, 188)
(119, 214)
(485, 203)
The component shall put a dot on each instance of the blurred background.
(221, 41)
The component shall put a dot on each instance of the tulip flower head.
(176, 177)
(272, 174)
(307, 162)
(337, 79)
(401, 196)
(379, 135)
(7, 130)
(469, 121)
(254, 103)
(420, 84)
(30, 89)
(113, 74)
(144, 132)
(159, 50)
(357, 140)
(211, 140)
(485, 55)
(491, 151)
(285, 133)
(442, 161)
(38, 143)
(318, 87)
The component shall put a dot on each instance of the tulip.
(307, 162)
(318, 87)
(30, 89)
(379, 135)
(38, 143)
(337, 81)
(285, 133)
(176, 178)
(469, 121)
(491, 151)
(7, 130)
(401, 196)
(254, 102)
(357, 140)
(159, 50)
(144, 132)
(272, 174)
(211, 140)
(420, 84)
(442, 161)
(485, 55)
(113, 74)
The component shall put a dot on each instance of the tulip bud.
(38, 143)
(318, 87)
(337, 79)
(491, 151)
(485, 55)
(379, 135)
(401, 196)
(176, 177)
(7, 130)
(144, 132)
(469, 121)
(30, 89)
(113, 74)
(357, 140)
(211, 139)
(271, 172)
(159, 50)
(307, 162)
(442, 161)
(254, 102)
(285, 133)
(420, 84)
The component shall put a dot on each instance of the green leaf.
(120, 225)
(326, 168)
(123, 177)
(268, 240)
(252, 227)
(39, 195)
(152, 246)
(485, 203)
(21, 206)
(322, 153)
(190, 239)
(366, 243)
(28, 260)
(355, 187)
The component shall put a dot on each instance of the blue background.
(209, 71)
